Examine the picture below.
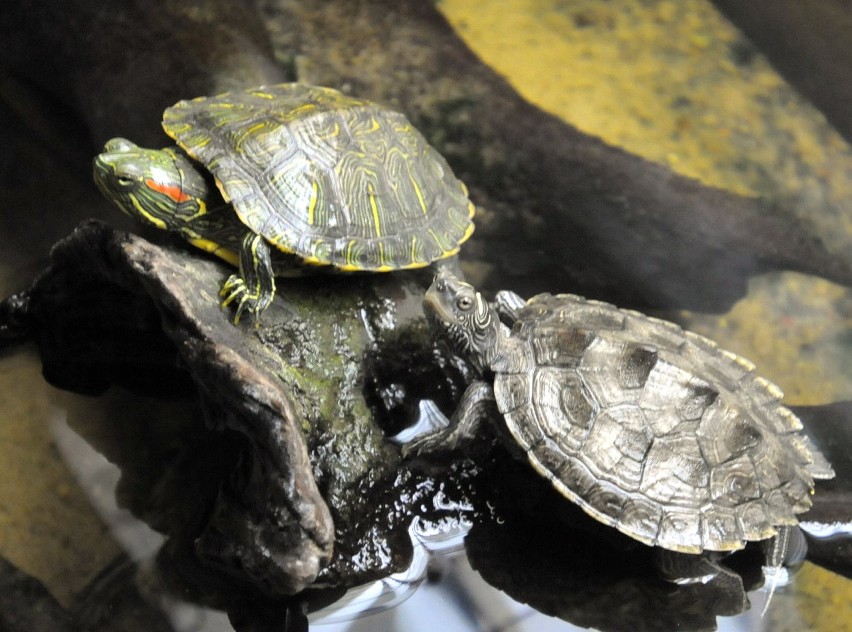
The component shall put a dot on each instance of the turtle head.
(459, 313)
(158, 186)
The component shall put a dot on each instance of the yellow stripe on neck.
(156, 221)
(220, 251)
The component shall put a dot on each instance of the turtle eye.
(464, 302)
(124, 181)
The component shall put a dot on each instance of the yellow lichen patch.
(816, 605)
(673, 82)
(793, 327)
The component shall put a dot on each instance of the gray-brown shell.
(651, 429)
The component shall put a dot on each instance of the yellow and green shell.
(333, 179)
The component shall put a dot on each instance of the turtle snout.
(101, 169)
(436, 309)
(119, 145)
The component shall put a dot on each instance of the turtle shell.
(333, 179)
(651, 429)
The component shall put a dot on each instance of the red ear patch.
(174, 192)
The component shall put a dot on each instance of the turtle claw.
(254, 300)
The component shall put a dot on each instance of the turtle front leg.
(254, 287)
(476, 405)
(508, 306)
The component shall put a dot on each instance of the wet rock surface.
(286, 433)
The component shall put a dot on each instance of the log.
(559, 209)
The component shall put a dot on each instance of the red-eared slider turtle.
(650, 429)
(327, 179)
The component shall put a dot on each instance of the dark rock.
(27, 606)
(95, 314)
(289, 481)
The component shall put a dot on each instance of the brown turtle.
(651, 429)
